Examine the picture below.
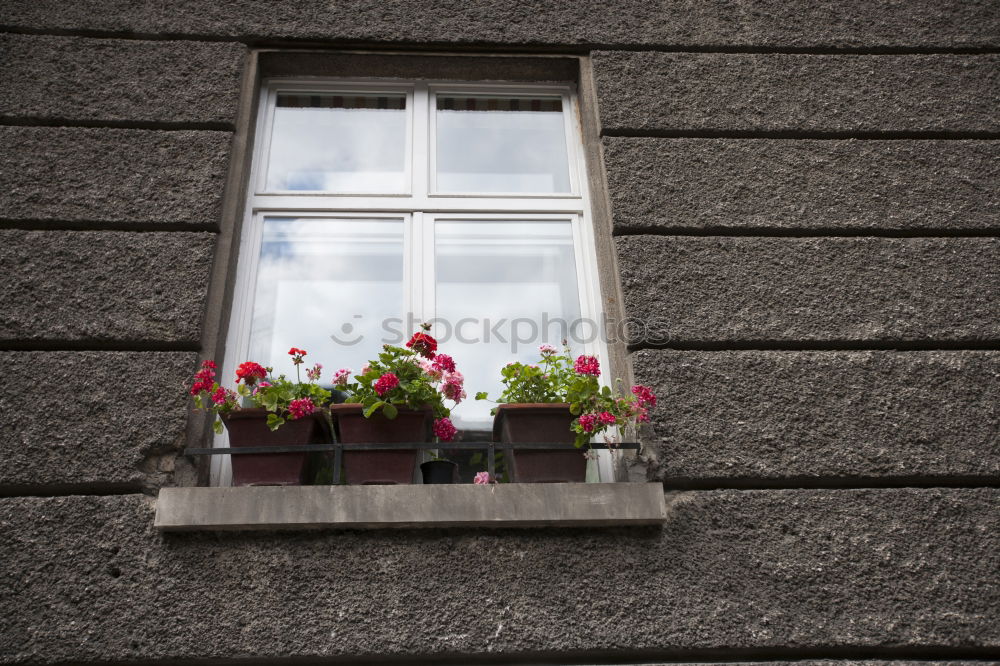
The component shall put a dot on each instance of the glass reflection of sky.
(319, 278)
(502, 270)
(337, 150)
(501, 151)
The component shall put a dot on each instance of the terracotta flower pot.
(248, 427)
(380, 467)
(540, 422)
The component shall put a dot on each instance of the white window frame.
(418, 208)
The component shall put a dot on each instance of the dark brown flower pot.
(439, 471)
(248, 427)
(380, 467)
(540, 422)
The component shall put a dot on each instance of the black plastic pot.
(439, 471)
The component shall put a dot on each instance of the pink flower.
(444, 429)
(341, 376)
(587, 422)
(208, 364)
(482, 479)
(313, 374)
(205, 378)
(587, 365)
(452, 388)
(642, 415)
(260, 386)
(431, 370)
(365, 369)
(219, 397)
(386, 383)
(547, 349)
(444, 363)
(645, 395)
(607, 418)
(301, 407)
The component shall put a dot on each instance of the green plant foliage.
(557, 378)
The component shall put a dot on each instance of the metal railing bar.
(396, 446)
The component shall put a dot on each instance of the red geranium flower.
(423, 344)
(296, 355)
(444, 429)
(386, 383)
(251, 372)
(301, 407)
(587, 365)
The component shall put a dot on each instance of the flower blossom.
(313, 374)
(220, 395)
(301, 407)
(444, 363)
(296, 355)
(587, 422)
(205, 378)
(250, 372)
(423, 344)
(431, 370)
(341, 376)
(547, 350)
(444, 429)
(482, 479)
(386, 383)
(607, 418)
(587, 365)
(645, 395)
(453, 387)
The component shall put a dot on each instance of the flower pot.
(248, 427)
(439, 471)
(540, 422)
(380, 467)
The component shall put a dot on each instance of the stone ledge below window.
(434, 506)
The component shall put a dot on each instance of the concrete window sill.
(365, 507)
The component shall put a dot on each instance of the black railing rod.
(457, 446)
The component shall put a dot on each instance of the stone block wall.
(803, 202)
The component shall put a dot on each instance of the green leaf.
(370, 409)
(390, 411)
(274, 421)
(217, 427)
(481, 395)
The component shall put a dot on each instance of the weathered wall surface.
(803, 201)
(732, 569)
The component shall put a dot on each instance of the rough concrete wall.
(803, 197)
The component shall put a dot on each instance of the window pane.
(519, 271)
(323, 284)
(501, 144)
(338, 143)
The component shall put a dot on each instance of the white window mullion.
(415, 270)
(421, 142)
(428, 276)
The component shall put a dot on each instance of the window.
(375, 205)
